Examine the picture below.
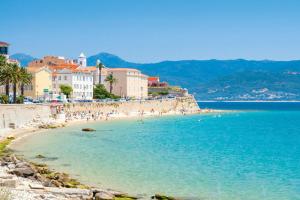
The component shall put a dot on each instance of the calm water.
(240, 155)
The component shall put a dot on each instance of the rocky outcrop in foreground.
(24, 180)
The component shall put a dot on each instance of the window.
(83, 78)
(66, 78)
(59, 78)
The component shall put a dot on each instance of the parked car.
(122, 100)
(27, 102)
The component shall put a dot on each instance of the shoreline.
(40, 127)
(250, 101)
(21, 133)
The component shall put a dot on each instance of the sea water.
(242, 155)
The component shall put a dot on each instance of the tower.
(82, 60)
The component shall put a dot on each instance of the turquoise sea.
(250, 154)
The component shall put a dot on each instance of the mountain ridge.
(235, 79)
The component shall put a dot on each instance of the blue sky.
(154, 30)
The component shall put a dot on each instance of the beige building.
(129, 83)
(41, 83)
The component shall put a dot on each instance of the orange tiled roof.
(153, 78)
(123, 69)
(63, 66)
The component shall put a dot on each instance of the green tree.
(111, 80)
(100, 66)
(66, 89)
(25, 79)
(5, 74)
(15, 78)
(100, 92)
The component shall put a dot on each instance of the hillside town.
(56, 78)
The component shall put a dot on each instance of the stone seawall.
(182, 105)
(20, 115)
(29, 115)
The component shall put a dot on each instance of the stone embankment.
(21, 115)
(104, 111)
(35, 115)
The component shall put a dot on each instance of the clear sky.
(154, 30)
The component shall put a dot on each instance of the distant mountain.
(24, 59)
(110, 60)
(218, 79)
(223, 79)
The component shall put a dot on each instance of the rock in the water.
(23, 172)
(40, 156)
(162, 197)
(103, 196)
(88, 129)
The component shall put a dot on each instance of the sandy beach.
(33, 188)
(16, 184)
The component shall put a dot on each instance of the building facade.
(80, 81)
(41, 83)
(130, 83)
(4, 49)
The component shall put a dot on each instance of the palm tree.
(100, 66)
(111, 80)
(25, 79)
(4, 74)
(15, 79)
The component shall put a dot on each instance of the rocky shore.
(26, 180)
(21, 179)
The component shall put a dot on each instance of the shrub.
(20, 99)
(164, 93)
(100, 92)
(4, 99)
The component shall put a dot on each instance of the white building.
(81, 82)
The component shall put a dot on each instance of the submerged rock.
(40, 156)
(162, 197)
(88, 129)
